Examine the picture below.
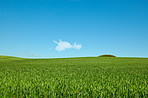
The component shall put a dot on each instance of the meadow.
(91, 77)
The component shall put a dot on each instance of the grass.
(74, 77)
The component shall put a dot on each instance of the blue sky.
(34, 28)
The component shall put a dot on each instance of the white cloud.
(35, 55)
(77, 46)
(61, 45)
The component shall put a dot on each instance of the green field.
(74, 77)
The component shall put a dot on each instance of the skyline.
(73, 28)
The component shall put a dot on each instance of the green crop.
(74, 77)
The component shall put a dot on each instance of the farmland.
(73, 77)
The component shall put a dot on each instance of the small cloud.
(35, 55)
(61, 45)
(77, 46)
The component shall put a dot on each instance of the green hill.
(7, 57)
(73, 77)
(4, 58)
